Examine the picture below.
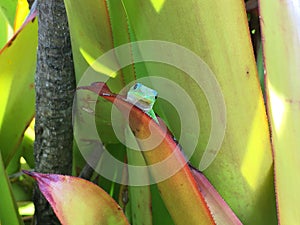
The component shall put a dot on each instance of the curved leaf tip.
(77, 201)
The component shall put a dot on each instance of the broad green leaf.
(7, 12)
(210, 29)
(17, 63)
(280, 23)
(5, 30)
(120, 34)
(12, 16)
(217, 32)
(91, 37)
(77, 201)
(159, 212)
(8, 208)
(110, 30)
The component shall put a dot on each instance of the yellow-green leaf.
(17, 63)
(7, 15)
(217, 31)
(280, 23)
(91, 37)
(8, 208)
(76, 201)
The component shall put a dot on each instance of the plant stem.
(55, 87)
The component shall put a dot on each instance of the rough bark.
(55, 87)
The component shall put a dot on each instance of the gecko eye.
(136, 86)
(155, 97)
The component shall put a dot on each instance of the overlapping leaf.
(244, 164)
(280, 23)
(7, 15)
(8, 208)
(217, 32)
(167, 164)
(17, 63)
(77, 201)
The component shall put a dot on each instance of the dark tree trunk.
(55, 87)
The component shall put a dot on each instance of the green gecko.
(143, 98)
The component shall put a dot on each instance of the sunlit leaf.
(217, 32)
(280, 23)
(76, 201)
(17, 63)
(91, 37)
(7, 14)
(22, 11)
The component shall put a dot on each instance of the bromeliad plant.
(243, 170)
